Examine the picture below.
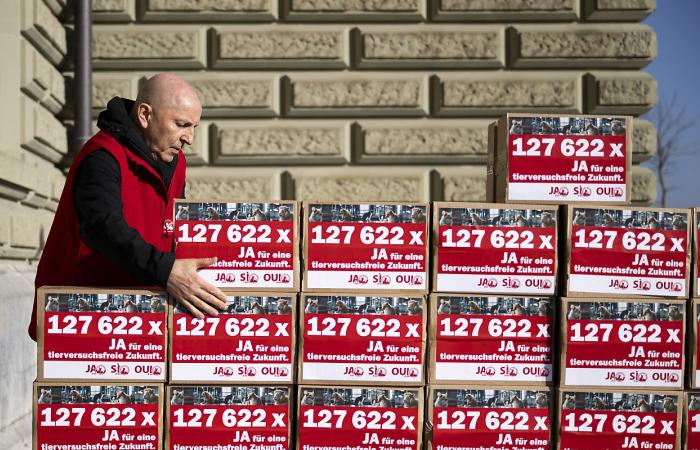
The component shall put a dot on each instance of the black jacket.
(98, 204)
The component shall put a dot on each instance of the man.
(113, 222)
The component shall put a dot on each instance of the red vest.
(146, 205)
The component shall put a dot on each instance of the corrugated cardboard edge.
(491, 162)
(431, 388)
(692, 334)
(476, 205)
(502, 139)
(349, 383)
(290, 416)
(295, 240)
(565, 301)
(35, 399)
(293, 296)
(405, 292)
(679, 407)
(40, 308)
(431, 371)
(567, 215)
(421, 405)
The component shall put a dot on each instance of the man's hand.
(191, 291)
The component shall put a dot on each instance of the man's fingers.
(212, 300)
(221, 299)
(203, 306)
(194, 311)
(204, 262)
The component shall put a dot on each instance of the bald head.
(167, 110)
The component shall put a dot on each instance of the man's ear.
(144, 114)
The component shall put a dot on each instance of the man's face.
(169, 129)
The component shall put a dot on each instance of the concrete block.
(355, 184)
(42, 133)
(106, 85)
(581, 46)
(504, 10)
(149, 47)
(620, 92)
(208, 11)
(41, 27)
(390, 11)
(284, 142)
(463, 184)
(644, 143)
(280, 47)
(618, 10)
(496, 93)
(340, 94)
(106, 11)
(421, 141)
(643, 186)
(244, 94)
(225, 184)
(432, 46)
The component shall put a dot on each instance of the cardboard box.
(693, 335)
(643, 340)
(627, 252)
(347, 339)
(252, 342)
(550, 158)
(691, 420)
(96, 414)
(366, 247)
(462, 416)
(696, 243)
(607, 418)
(256, 242)
(362, 418)
(491, 340)
(86, 333)
(215, 415)
(495, 248)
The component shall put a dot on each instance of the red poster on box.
(252, 417)
(629, 252)
(644, 344)
(693, 430)
(568, 159)
(255, 243)
(387, 418)
(253, 341)
(490, 339)
(491, 250)
(363, 339)
(367, 246)
(102, 336)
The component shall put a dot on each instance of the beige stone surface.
(106, 85)
(409, 46)
(644, 144)
(197, 154)
(464, 183)
(356, 94)
(105, 11)
(24, 231)
(493, 94)
(247, 94)
(618, 10)
(505, 10)
(582, 46)
(227, 184)
(281, 142)
(41, 27)
(281, 46)
(621, 92)
(208, 10)
(357, 10)
(643, 186)
(42, 133)
(148, 46)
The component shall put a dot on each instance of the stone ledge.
(40, 79)
(390, 11)
(617, 10)
(617, 92)
(42, 133)
(504, 10)
(225, 184)
(208, 11)
(106, 11)
(429, 46)
(41, 27)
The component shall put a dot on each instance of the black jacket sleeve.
(98, 206)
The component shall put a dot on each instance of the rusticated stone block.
(280, 46)
(644, 143)
(405, 46)
(618, 10)
(504, 10)
(354, 10)
(643, 186)
(40, 80)
(355, 94)
(281, 142)
(41, 27)
(247, 94)
(148, 47)
(197, 154)
(207, 11)
(106, 85)
(355, 184)
(42, 133)
(463, 184)
(24, 231)
(585, 46)
(104, 11)
(4, 227)
(224, 184)
(620, 92)
(18, 177)
(494, 94)
(421, 141)
(42, 183)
